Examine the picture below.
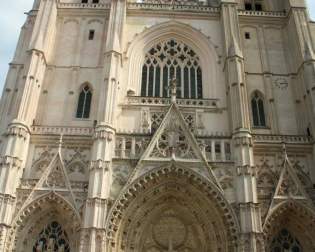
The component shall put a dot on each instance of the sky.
(12, 18)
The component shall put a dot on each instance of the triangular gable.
(174, 142)
(54, 179)
(289, 187)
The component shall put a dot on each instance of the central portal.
(172, 211)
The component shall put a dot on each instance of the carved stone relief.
(76, 161)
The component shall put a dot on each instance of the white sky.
(12, 18)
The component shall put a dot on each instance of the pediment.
(173, 142)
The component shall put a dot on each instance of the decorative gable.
(173, 142)
(289, 185)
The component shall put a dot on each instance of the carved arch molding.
(174, 210)
(49, 223)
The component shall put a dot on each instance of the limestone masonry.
(160, 126)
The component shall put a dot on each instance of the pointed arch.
(258, 109)
(152, 200)
(296, 217)
(84, 101)
(42, 211)
(195, 39)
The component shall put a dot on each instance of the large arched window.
(52, 238)
(285, 242)
(168, 59)
(84, 103)
(258, 110)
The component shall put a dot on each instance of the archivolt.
(297, 218)
(37, 214)
(198, 194)
(190, 36)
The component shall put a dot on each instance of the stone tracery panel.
(52, 238)
(169, 59)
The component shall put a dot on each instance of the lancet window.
(52, 238)
(84, 103)
(285, 242)
(258, 110)
(168, 59)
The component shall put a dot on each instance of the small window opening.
(91, 34)
(95, 1)
(247, 35)
(258, 7)
(248, 6)
(84, 1)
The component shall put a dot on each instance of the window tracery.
(285, 242)
(258, 110)
(84, 103)
(52, 238)
(168, 59)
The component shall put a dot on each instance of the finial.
(173, 88)
(284, 150)
(60, 142)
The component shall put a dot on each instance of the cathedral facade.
(160, 126)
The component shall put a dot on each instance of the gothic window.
(258, 110)
(168, 59)
(52, 238)
(256, 5)
(84, 103)
(285, 242)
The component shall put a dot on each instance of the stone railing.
(262, 13)
(132, 147)
(55, 130)
(157, 101)
(101, 6)
(282, 139)
(173, 7)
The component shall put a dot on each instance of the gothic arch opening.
(49, 222)
(172, 209)
(290, 227)
(198, 42)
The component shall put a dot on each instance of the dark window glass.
(91, 34)
(95, 1)
(165, 81)
(248, 6)
(84, 1)
(52, 238)
(285, 242)
(144, 81)
(259, 119)
(84, 103)
(157, 81)
(247, 35)
(258, 7)
(151, 78)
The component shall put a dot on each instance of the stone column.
(15, 143)
(100, 177)
(304, 61)
(249, 212)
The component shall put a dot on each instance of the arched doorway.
(172, 209)
(290, 227)
(49, 223)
